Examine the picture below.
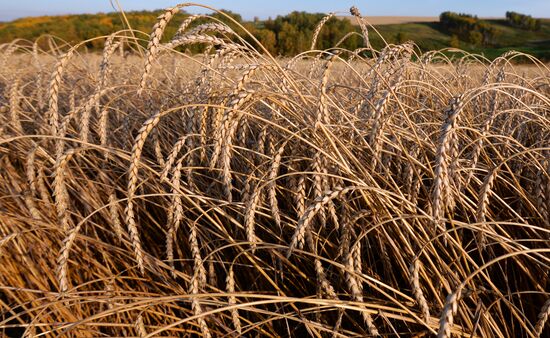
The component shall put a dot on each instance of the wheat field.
(147, 192)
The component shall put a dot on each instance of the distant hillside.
(290, 34)
(391, 20)
(431, 35)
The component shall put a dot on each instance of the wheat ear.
(272, 185)
(185, 23)
(137, 148)
(197, 308)
(15, 109)
(417, 291)
(140, 327)
(63, 258)
(175, 214)
(53, 95)
(318, 29)
(483, 204)
(310, 212)
(351, 264)
(61, 194)
(230, 287)
(249, 216)
(447, 315)
(154, 42)
(355, 12)
(542, 318)
(442, 190)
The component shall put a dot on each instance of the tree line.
(284, 35)
(523, 21)
(468, 28)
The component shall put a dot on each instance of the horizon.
(10, 11)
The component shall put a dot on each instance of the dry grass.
(230, 194)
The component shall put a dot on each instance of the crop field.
(150, 192)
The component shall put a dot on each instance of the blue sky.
(10, 9)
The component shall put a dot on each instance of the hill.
(286, 35)
(431, 35)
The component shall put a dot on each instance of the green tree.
(475, 38)
(523, 21)
(268, 39)
(289, 39)
(455, 41)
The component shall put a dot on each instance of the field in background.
(385, 191)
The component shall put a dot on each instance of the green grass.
(426, 35)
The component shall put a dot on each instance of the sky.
(11, 9)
